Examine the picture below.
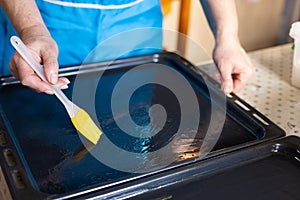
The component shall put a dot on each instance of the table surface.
(269, 90)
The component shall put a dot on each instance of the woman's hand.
(234, 64)
(44, 49)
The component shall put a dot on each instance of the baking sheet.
(269, 171)
(46, 141)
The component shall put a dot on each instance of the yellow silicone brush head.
(86, 126)
(81, 120)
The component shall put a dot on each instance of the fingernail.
(49, 92)
(227, 90)
(66, 81)
(64, 87)
(53, 78)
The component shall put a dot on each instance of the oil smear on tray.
(58, 161)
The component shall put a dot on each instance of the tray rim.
(5, 81)
(201, 169)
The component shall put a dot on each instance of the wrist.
(227, 36)
(228, 40)
(34, 31)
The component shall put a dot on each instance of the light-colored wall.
(259, 23)
(170, 26)
(200, 40)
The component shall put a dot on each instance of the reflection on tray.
(57, 161)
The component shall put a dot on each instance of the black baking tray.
(40, 141)
(267, 171)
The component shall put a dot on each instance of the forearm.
(25, 16)
(27, 21)
(234, 65)
(224, 23)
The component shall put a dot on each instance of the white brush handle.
(17, 43)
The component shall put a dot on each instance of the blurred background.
(262, 24)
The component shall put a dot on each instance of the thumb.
(227, 84)
(50, 66)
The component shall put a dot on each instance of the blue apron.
(79, 27)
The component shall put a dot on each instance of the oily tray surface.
(52, 153)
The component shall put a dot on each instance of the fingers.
(23, 72)
(45, 51)
(235, 76)
(226, 73)
(234, 80)
(62, 83)
(240, 79)
(234, 65)
(50, 64)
